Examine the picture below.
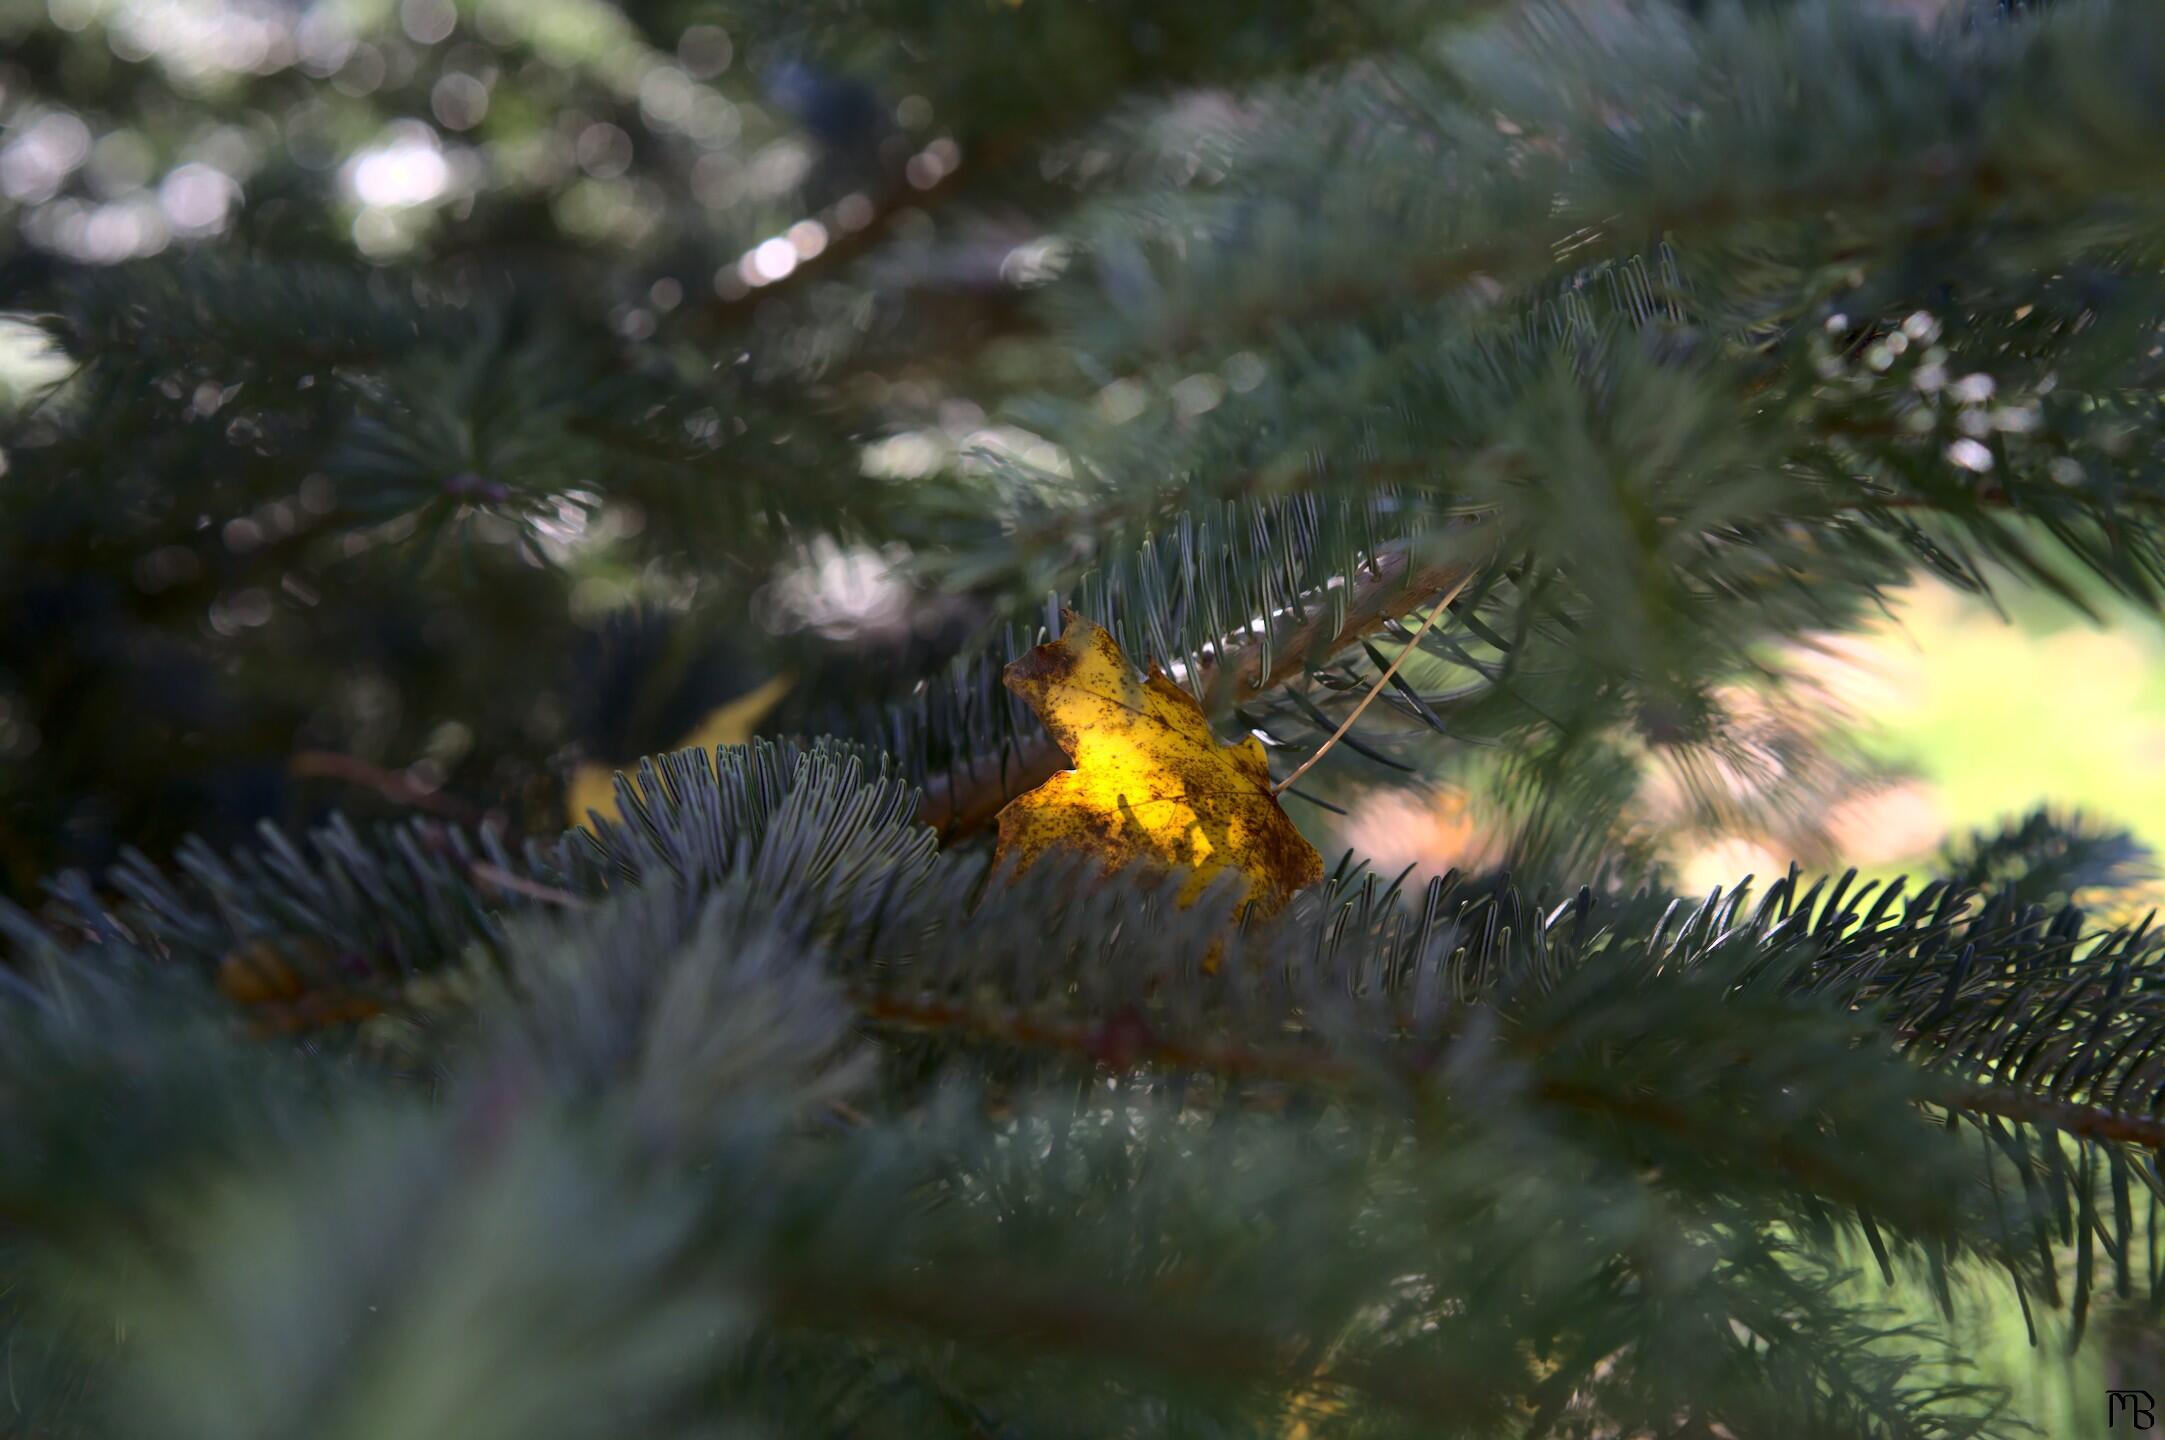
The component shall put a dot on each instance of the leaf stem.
(1375, 689)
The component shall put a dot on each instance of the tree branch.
(1123, 1041)
(394, 785)
(2086, 1122)
(967, 796)
(1106, 1324)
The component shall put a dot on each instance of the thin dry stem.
(1366, 700)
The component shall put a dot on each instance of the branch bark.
(1123, 1045)
(2087, 1122)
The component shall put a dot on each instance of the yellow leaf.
(733, 723)
(258, 975)
(1317, 1406)
(592, 788)
(593, 783)
(1150, 783)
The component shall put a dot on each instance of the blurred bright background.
(1966, 712)
(1995, 715)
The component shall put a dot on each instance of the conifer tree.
(586, 848)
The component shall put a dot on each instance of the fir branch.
(1604, 105)
(2083, 1122)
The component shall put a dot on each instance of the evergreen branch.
(343, 905)
(683, 825)
(1065, 103)
(2083, 1122)
(1636, 132)
(1514, 258)
(208, 307)
(885, 1231)
(1124, 1040)
(1618, 1016)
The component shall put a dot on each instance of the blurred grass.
(2059, 1393)
(1997, 714)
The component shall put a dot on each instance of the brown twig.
(394, 785)
(1116, 1044)
(1366, 700)
(1129, 1044)
(997, 1306)
(496, 875)
(2089, 1122)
